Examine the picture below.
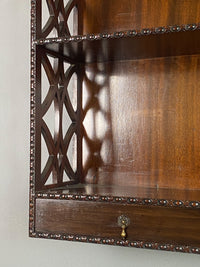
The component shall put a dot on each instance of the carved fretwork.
(57, 13)
(58, 142)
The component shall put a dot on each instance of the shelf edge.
(124, 200)
(114, 242)
(120, 34)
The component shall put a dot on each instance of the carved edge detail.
(121, 34)
(32, 119)
(114, 242)
(125, 200)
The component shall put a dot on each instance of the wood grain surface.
(141, 192)
(129, 47)
(112, 15)
(146, 120)
(176, 226)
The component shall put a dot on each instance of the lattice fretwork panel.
(59, 18)
(59, 113)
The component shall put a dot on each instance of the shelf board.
(135, 195)
(127, 45)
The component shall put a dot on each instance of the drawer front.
(147, 223)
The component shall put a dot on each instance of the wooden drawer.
(147, 223)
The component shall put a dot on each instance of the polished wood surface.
(145, 116)
(136, 121)
(175, 226)
(112, 15)
(139, 121)
(127, 48)
(127, 191)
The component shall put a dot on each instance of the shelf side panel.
(58, 144)
(58, 18)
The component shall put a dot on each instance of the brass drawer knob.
(123, 221)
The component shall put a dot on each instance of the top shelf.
(127, 45)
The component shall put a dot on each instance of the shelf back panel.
(141, 123)
(115, 15)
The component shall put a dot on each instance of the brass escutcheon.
(123, 221)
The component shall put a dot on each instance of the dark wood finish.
(57, 143)
(129, 194)
(111, 15)
(114, 48)
(58, 17)
(175, 226)
(136, 122)
(148, 124)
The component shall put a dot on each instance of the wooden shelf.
(137, 195)
(115, 123)
(127, 45)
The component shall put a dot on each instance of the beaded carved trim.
(117, 35)
(125, 200)
(32, 118)
(111, 241)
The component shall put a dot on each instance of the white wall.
(16, 249)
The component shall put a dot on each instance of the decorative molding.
(125, 200)
(121, 34)
(32, 118)
(116, 242)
